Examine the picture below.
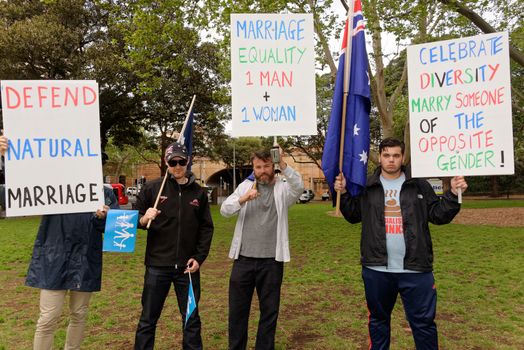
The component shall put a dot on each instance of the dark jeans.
(264, 275)
(419, 297)
(157, 282)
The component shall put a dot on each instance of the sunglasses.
(173, 163)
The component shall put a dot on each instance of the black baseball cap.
(175, 150)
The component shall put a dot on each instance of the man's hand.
(102, 213)
(150, 214)
(458, 182)
(192, 266)
(340, 183)
(3, 144)
(248, 196)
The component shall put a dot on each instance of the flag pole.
(187, 119)
(347, 76)
(166, 174)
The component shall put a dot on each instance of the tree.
(124, 158)
(484, 26)
(172, 63)
(69, 40)
(242, 147)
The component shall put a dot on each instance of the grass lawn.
(479, 273)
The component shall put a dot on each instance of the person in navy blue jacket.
(67, 257)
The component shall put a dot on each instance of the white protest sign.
(273, 75)
(460, 107)
(53, 163)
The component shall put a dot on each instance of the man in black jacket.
(178, 242)
(396, 250)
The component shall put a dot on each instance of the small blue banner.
(120, 231)
(191, 301)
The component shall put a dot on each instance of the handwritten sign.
(53, 161)
(273, 75)
(460, 107)
(120, 231)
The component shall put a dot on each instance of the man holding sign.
(260, 247)
(396, 250)
(178, 242)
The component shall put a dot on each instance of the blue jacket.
(68, 251)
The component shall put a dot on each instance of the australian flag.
(356, 139)
(191, 301)
(187, 139)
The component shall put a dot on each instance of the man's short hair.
(391, 142)
(264, 155)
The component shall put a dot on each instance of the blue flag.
(356, 140)
(120, 231)
(191, 301)
(187, 139)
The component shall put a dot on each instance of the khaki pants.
(51, 304)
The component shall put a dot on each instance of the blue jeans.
(157, 282)
(419, 297)
(264, 275)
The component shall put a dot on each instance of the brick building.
(217, 176)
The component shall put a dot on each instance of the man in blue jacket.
(395, 248)
(67, 257)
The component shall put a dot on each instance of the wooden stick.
(158, 197)
(167, 171)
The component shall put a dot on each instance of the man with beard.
(260, 247)
(395, 248)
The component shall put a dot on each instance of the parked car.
(306, 196)
(132, 191)
(310, 194)
(119, 192)
(325, 196)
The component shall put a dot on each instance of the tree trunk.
(494, 187)
(323, 42)
(118, 169)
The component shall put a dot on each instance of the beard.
(265, 179)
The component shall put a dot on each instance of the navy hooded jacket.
(68, 251)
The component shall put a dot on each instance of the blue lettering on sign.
(275, 113)
(40, 147)
(472, 48)
(270, 29)
(66, 144)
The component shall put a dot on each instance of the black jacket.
(68, 251)
(183, 229)
(419, 205)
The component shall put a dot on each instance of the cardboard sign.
(120, 231)
(273, 75)
(460, 107)
(53, 161)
